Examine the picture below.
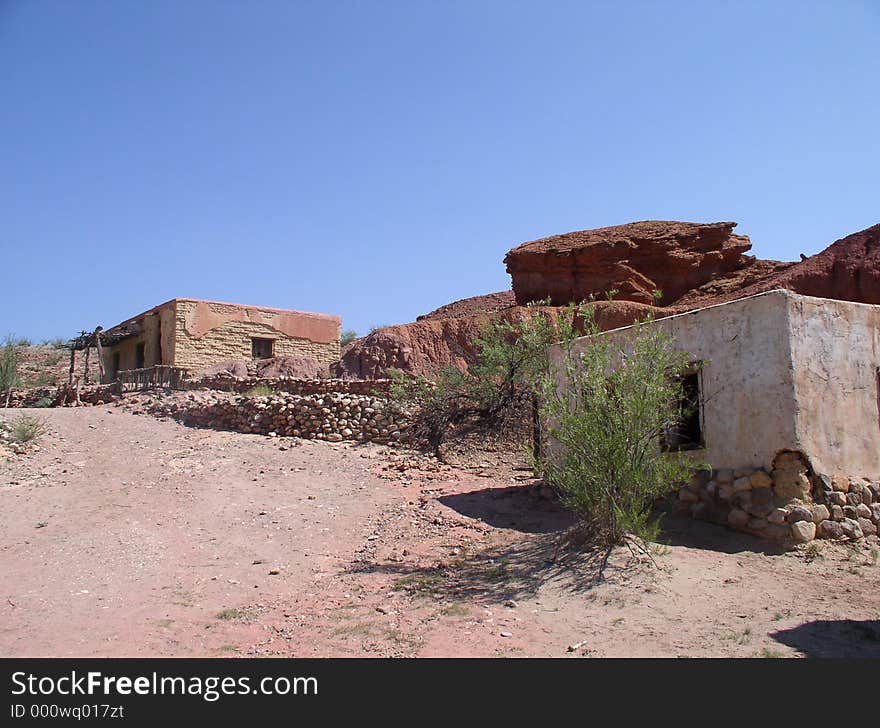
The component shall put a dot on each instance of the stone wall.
(784, 502)
(333, 416)
(227, 383)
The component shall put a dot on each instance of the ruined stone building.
(784, 407)
(193, 334)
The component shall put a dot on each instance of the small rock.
(760, 479)
(506, 634)
(777, 515)
(511, 604)
(820, 513)
(803, 531)
(741, 484)
(868, 528)
(274, 572)
(851, 528)
(829, 529)
(799, 513)
(737, 518)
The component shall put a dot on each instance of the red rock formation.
(634, 260)
(695, 265)
(429, 345)
(847, 270)
(490, 303)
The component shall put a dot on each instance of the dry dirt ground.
(126, 535)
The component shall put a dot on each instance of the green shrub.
(511, 358)
(56, 343)
(347, 337)
(606, 405)
(261, 390)
(27, 428)
(9, 362)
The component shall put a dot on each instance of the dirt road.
(126, 535)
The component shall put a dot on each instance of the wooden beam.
(97, 336)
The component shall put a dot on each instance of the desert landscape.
(277, 505)
(128, 535)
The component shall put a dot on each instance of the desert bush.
(9, 374)
(44, 379)
(511, 358)
(27, 428)
(347, 337)
(56, 343)
(261, 390)
(606, 404)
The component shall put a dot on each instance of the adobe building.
(787, 394)
(193, 334)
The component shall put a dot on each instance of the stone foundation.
(785, 502)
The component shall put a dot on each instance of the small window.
(877, 376)
(139, 356)
(261, 348)
(687, 432)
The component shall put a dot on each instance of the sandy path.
(125, 535)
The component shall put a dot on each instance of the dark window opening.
(878, 395)
(261, 348)
(139, 356)
(686, 433)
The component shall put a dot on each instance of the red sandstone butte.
(634, 260)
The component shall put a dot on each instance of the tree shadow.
(516, 507)
(834, 638)
(515, 570)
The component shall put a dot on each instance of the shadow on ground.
(685, 531)
(514, 571)
(515, 507)
(549, 550)
(833, 638)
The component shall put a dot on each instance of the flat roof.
(310, 314)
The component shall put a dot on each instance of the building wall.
(748, 408)
(836, 355)
(783, 371)
(207, 333)
(157, 336)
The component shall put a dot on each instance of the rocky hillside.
(691, 265)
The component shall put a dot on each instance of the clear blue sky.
(377, 159)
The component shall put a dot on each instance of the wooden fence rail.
(159, 376)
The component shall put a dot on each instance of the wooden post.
(97, 335)
(86, 376)
(72, 364)
(536, 428)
